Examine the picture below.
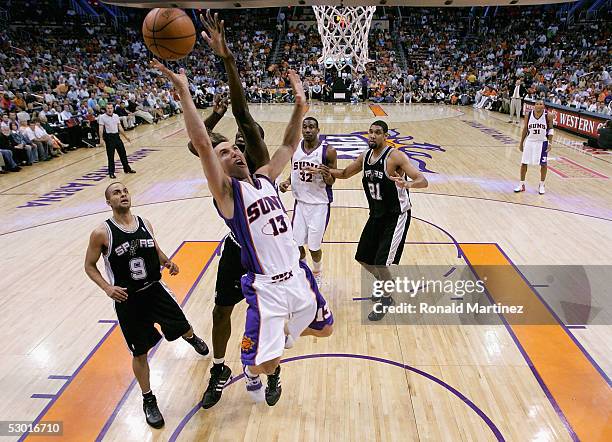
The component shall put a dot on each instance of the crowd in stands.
(56, 79)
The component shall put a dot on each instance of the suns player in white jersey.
(280, 290)
(536, 142)
(312, 193)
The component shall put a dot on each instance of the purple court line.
(61, 390)
(100, 211)
(579, 327)
(454, 241)
(540, 285)
(532, 367)
(208, 196)
(457, 298)
(431, 377)
(361, 299)
(123, 399)
(406, 242)
(447, 274)
(57, 376)
(78, 161)
(561, 323)
(502, 201)
(42, 396)
(107, 321)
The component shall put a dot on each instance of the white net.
(344, 32)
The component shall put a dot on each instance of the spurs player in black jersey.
(384, 182)
(133, 260)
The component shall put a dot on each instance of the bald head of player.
(118, 197)
(377, 135)
(310, 130)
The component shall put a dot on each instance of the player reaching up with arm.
(276, 285)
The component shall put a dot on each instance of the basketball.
(169, 33)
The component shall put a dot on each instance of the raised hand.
(214, 34)
(220, 105)
(400, 181)
(298, 88)
(179, 80)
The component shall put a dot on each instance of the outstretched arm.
(163, 259)
(293, 132)
(352, 169)
(218, 182)
(400, 162)
(256, 148)
(219, 109)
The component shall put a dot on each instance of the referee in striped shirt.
(110, 128)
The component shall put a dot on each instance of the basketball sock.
(219, 361)
(303, 261)
(247, 371)
(522, 183)
(147, 395)
(316, 266)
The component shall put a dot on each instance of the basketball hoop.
(344, 32)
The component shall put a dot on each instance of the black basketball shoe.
(220, 375)
(198, 344)
(385, 301)
(152, 413)
(274, 389)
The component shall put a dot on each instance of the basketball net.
(344, 33)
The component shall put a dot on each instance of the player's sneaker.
(378, 315)
(274, 389)
(318, 276)
(289, 341)
(375, 298)
(198, 344)
(152, 413)
(541, 189)
(519, 188)
(254, 387)
(220, 375)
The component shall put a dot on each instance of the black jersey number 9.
(138, 269)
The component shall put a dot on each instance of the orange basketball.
(169, 33)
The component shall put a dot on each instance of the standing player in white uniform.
(536, 142)
(280, 290)
(312, 193)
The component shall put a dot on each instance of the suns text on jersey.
(263, 206)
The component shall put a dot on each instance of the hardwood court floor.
(62, 356)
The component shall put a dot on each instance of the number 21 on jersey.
(375, 191)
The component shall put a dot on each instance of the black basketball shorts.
(228, 288)
(382, 239)
(153, 304)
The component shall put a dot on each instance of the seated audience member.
(44, 151)
(127, 118)
(5, 149)
(24, 152)
(43, 136)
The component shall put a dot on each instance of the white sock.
(522, 183)
(316, 266)
(303, 261)
(541, 183)
(218, 361)
(247, 371)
